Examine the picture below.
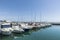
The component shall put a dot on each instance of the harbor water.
(47, 33)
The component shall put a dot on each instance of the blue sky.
(51, 10)
(27, 10)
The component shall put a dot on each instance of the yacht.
(6, 28)
(17, 29)
(26, 27)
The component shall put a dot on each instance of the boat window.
(5, 26)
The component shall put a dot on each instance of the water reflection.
(21, 35)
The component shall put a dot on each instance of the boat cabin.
(6, 25)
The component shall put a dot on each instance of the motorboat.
(17, 29)
(26, 27)
(6, 29)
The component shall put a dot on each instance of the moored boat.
(26, 27)
(17, 29)
(6, 29)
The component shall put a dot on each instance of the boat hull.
(17, 31)
(6, 33)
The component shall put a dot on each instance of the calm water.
(49, 33)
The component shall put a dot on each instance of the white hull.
(6, 33)
(17, 31)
